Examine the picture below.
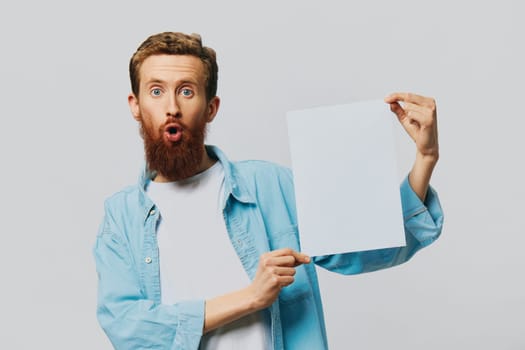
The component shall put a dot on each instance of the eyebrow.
(160, 81)
(155, 81)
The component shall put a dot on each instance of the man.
(204, 252)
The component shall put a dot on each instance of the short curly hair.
(174, 43)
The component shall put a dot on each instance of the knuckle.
(287, 251)
(265, 260)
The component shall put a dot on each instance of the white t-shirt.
(197, 259)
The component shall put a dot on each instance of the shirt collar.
(234, 184)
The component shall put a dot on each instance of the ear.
(213, 108)
(133, 103)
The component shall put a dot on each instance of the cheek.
(152, 114)
(198, 111)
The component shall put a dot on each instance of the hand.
(276, 270)
(418, 116)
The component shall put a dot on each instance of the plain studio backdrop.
(68, 141)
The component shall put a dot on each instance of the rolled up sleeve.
(130, 320)
(423, 223)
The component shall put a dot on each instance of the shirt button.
(147, 260)
(152, 212)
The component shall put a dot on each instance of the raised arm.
(418, 116)
(422, 214)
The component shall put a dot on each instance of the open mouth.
(173, 132)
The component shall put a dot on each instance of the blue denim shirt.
(260, 215)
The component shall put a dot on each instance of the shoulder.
(269, 182)
(260, 169)
(260, 174)
(249, 169)
(123, 206)
(124, 196)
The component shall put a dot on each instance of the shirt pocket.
(301, 287)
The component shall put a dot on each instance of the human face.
(173, 111)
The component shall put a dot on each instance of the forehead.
(172, 68)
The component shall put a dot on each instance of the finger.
(283, 271)
(284, 281)
(278, 281)
(409, 97)
(425, 116)
(282, 251)
(286, 260)
(269, 259)
(398, 110)
(423, 110)
(408, 106)
(300, 258)
(405, 118)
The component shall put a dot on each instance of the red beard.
(174, 160)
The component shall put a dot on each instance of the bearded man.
(203, 253)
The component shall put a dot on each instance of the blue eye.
(186, 92)
(155, 92)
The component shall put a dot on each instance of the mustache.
(171, 121)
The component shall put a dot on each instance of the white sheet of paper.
(345, 175)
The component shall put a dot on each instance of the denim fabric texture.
(260, 215)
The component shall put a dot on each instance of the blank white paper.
(345, 176)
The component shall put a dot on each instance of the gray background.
(68, 141)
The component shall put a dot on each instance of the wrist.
(428, 159)
(253, 302)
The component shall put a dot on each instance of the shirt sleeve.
(130, 320)
(423, 222)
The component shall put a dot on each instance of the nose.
(172, 109)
